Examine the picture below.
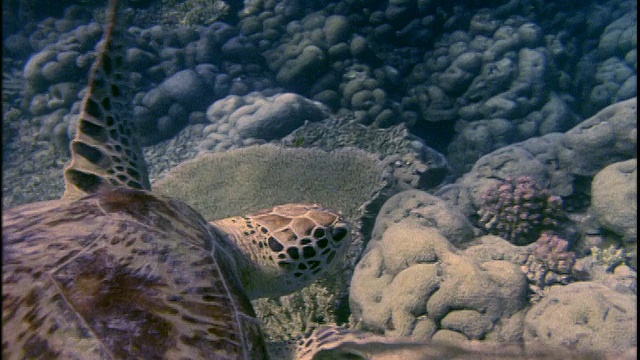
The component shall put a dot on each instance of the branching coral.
(550, 262)
(13, 82)
(610, 257)
(291, 316)
(519, 209)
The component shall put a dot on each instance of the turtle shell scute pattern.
(121, 274)
(304, 238)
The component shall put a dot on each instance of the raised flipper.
(105, 152)
(335, 343)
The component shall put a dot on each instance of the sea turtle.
(115, 271)
(112, 270)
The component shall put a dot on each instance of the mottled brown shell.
(121, 274)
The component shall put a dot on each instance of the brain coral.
(518, 209)
(414, 282)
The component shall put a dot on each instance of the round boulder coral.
(585, 316)
(614, 199)
(518, 209)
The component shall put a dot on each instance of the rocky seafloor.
(506, 131)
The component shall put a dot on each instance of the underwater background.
(487, 148)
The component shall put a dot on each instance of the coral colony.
(518, 209)
(550, 262)
(553, 251)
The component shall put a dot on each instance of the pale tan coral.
(610, 257)
(194, 12)
(291, 316)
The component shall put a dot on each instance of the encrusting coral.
(518, 209)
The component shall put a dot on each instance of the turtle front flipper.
(105, 152)
(338, 343)
(284, 248)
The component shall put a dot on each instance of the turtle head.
(286, 247)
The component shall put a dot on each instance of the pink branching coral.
(553, 251)
(519, 209)
(550, 262)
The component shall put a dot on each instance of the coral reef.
(428, 210)
(346, 131)
(222, 184)
(610, 257)
(193, 12)
(585, 314)
(469, 84)
(550, 262)
(518, 209)
(614, 200)
(558, 161)
(262, 117)
(291, 316)
(412, 281)
(414, 164)
(243, 180)
(13, 84)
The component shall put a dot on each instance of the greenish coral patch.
(244, 180)
(291, 316)
(610, 257)
(193, 12)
